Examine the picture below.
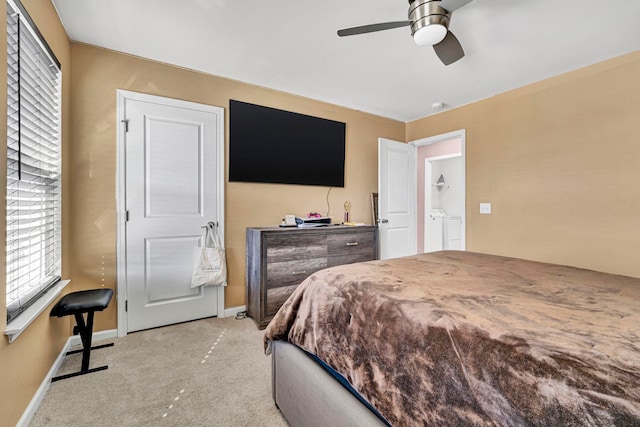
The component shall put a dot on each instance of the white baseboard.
(28, 413)
(232, 311)
(31, 409)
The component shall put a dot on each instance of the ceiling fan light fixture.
(430, 35)
(429, 22)
(429, 27)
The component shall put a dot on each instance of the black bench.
(78, 303)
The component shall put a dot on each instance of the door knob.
(382, 220)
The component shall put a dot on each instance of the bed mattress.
(460, 338)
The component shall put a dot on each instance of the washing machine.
(436, 243)
(445, 231)
(452, 232)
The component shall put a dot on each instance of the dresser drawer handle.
(352, 243)
(299, 272)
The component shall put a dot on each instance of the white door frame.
(461, 134)
(426, 235)
(121, 256)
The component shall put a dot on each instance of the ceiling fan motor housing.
(423, 13)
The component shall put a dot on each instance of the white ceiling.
(292, 46)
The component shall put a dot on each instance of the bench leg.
(85, 330)
(75, 374)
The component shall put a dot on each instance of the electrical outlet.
(485, 208)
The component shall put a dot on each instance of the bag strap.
(205, 239)
(212, 236)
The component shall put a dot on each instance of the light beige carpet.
(210, 372)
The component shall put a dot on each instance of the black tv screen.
(276, 146)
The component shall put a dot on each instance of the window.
(33, 163)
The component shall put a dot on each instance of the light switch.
(485, 208)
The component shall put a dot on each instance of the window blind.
(33, 163)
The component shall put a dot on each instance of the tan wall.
(560, 162)
(97, 75)
(25, 362)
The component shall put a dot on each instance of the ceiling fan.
(429, 21)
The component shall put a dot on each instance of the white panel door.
(172, 185)
(396, 198)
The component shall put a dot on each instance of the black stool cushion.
(82, 302)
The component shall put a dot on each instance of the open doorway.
(440, 213)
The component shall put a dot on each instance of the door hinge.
(126, 216)
(126, 305)
(126, 124)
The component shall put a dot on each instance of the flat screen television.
(275, 146)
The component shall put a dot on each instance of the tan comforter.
(459, 338)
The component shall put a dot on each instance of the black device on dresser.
(278, 259)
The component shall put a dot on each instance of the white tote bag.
(210, 268)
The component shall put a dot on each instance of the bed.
(458, 338)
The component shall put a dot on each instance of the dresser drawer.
(351, 243)
(349, 258)
(276, 297)
(287, 273)
(289, 247)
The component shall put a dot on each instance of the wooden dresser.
(278, 259)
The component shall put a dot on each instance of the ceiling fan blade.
(449, 50)
(451, 5)
(372, 28)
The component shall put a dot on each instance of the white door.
(396, 198)
(173, 186)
